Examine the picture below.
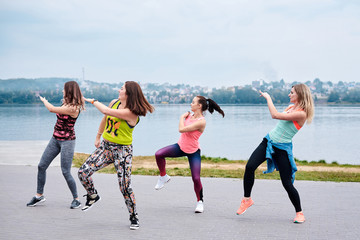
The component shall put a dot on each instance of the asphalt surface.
(331, 209)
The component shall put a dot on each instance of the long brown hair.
(305, 100)
(209, 104)
(73, 95)
(136, 100)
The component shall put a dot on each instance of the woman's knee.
(42, 167)
(82, 174)
(66, 171)
(160, 154)
(287, 184)
(250, 168)
(196, 180)
(125, 189)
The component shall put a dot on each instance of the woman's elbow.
(274, 116)
(105, 111)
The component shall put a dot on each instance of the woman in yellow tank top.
(120, 118)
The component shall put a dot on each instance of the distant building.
(255, 84)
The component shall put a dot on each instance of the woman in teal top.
(116, 148)
(276, 147)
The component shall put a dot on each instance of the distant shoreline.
(226, 104)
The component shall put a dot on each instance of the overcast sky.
(201, 42)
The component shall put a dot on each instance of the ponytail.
(209, 104)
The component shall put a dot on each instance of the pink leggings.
(194, 161)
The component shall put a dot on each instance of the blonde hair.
(305, 100)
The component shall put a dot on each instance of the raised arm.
(292, 116)
(124, 114)
(64, 109)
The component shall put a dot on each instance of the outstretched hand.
(88, 99)
(264, 94)
(42, 98)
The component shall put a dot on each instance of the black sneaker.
(75, 204)
(90, 200)
(35, 200)
(134, 223)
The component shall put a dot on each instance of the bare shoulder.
(71, 108)
(202, 121)
(112, 102)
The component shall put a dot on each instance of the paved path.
(23, 153)
(332, 209)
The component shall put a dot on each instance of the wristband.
(92, 102)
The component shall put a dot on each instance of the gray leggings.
(66, 148)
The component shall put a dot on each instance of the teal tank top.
(284, 130)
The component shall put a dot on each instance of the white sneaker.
(161, 181)
(199, 207)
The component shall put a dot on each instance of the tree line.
(26, 91)
(222, 96)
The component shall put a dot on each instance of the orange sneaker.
(299, 218)
(245, 204)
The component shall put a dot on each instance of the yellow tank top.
(118, 130)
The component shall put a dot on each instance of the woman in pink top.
(191, 126)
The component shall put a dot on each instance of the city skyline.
(213, 43)
(27, 90)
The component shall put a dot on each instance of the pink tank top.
(64, 127)
(189, 141)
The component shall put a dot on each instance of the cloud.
(210, 42)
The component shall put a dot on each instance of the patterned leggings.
(194, 161)
(121, 157)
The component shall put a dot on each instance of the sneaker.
(75, 204)
(90, 200)
(299, 218)
(35, 200)
(199, 207)
(161, 181)
(245, 204)
(134, 223)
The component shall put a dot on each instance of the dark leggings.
(194, 161)
(283, 163)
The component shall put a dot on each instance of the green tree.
(318, 85)
(334, 97)
(279, 96)
(352, 96)
(222, 96)
(247, 95)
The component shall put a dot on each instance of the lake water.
(332, 136)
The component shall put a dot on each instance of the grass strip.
(152, 170)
